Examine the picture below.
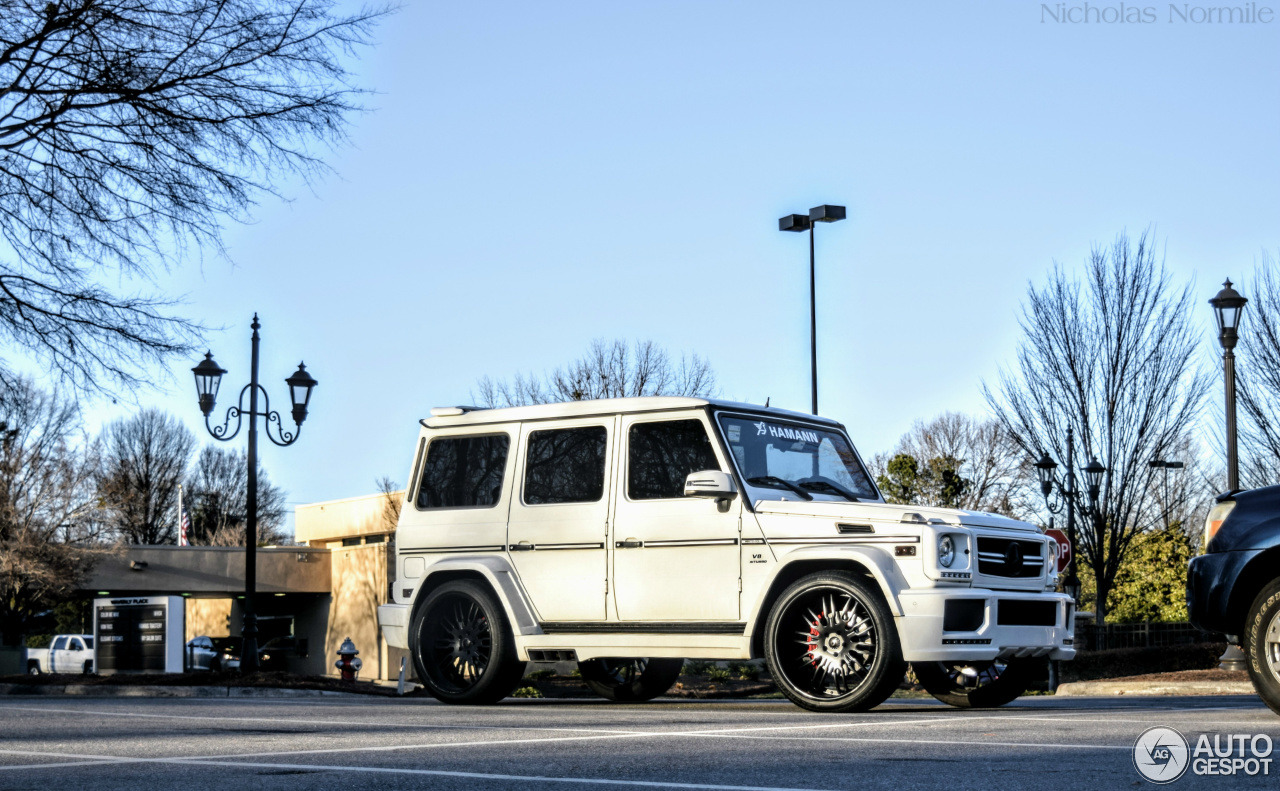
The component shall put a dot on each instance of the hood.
(887, 512)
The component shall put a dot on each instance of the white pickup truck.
(67, 653)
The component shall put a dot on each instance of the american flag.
(184, 527)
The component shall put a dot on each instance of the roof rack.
(451, 411)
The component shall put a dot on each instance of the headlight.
(1217, 515)
(1052, 553)
(946, 550)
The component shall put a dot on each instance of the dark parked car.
(1234, 587)
(276, 652)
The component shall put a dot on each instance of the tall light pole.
(1228, 307)
(208, 378)
(803, 222)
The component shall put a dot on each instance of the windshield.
(803, 459)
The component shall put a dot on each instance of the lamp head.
(208, 378)
(794, 222)
(1228, 308)
(1044, 470)
(300, 386)
(826, 213)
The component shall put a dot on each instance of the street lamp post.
(208, 376)
(1068, 498)
(803, 222)
(1228, 306)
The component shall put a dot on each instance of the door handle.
(523, 546)
(630, 543)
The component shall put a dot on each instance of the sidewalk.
(1185, 682)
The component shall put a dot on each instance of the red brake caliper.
(813, 630)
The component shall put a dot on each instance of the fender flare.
(876, 561)
(502, 578)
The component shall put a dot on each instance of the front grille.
(1006, 557)
(1015, 612)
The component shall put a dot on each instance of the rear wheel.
(1261, 645)
(88, 667)
(831, 644)
(975, 685)
(462, 647)
(33, 669)
(630, 680)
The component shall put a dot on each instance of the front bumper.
(393, 619)
(920, 627)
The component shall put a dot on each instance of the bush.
(1121, 662)
(537, 675)
(717, 673)
(746, 672)
(526, 692)
(696, 667)
(39, 640)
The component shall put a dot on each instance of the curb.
(105, 691)
(1154, 688)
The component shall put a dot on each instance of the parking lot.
(1038, 742)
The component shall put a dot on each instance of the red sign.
(1064, 548)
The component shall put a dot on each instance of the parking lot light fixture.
(801, 222)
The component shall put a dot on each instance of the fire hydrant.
(348, 663)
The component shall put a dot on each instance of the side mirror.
(710, 483)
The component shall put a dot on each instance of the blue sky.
(535, 175)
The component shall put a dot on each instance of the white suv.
(629, 534)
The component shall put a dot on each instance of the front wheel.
(462, 647)
(975, 685)
(831, 644)
(1261, 645)
(630, 680)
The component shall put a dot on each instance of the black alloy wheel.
(976, 685)
(831, 644)
(630, 680)
(462, 647)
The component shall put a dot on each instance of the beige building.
(323, 591)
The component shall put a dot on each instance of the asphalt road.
(1037, 743)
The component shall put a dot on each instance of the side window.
(463, 472)
(661, 456)
(75, 645)
(565, 465)
(60, 644)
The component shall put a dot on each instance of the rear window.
(463, 472)
(565, 465)
(88, 641)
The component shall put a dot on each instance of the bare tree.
(129, 130)
(990, 468)
(145, 459)
(1113, 359)
(613, 369)
(394, 500)
(47, 469)
(1258, 380)
(218, 489)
